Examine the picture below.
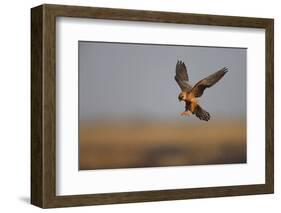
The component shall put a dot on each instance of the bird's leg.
(193, 105)
(186, 113)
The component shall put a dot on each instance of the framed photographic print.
(136, 106)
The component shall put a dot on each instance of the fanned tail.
(201, 113)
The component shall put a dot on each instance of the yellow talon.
(185, 113)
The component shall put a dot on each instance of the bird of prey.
(190, 94)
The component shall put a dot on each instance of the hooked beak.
(180, 99)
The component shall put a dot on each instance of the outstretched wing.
(199, 87)
(181, 77)
(201, 113)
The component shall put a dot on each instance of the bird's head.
(182, 96)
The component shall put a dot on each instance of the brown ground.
(130, 145)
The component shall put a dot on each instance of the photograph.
(156, 105)
(136, 105)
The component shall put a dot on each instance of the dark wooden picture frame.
(43, 105)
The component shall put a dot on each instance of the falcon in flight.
(190, 94)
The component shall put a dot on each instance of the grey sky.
(137, 81)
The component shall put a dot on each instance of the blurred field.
(141, 144)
